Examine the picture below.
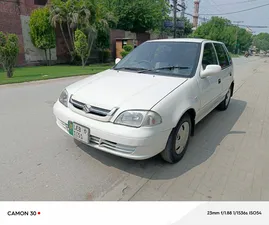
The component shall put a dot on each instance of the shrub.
(9, 50)
(126, 50)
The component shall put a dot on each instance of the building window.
(40, 2)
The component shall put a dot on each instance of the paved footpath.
(227, 159)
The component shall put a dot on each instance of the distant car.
(151, 100)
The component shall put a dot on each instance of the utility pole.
(183, 7)
(175, 17)
(196, 13)
(236, 35)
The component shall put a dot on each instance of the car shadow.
(209, 133)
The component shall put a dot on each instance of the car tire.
(225, 103)
(178, 141)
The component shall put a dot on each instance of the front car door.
(210, 87)
(226, 67)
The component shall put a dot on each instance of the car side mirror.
(210, 70)
(117, 60)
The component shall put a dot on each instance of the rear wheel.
(225, 103)
(178, 141)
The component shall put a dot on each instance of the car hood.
(123, 89)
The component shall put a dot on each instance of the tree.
(9, 50)
(105, 20)
(71, 15)
(140, 15)
(103, 43)
(81, 46)
(41, 32)
(179, 31)
(245, 39)
(261, 41)
(85, 15)
(221, 29)
(187, 27)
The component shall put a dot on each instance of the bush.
(9, 50)
(126, 50)
(124, 53)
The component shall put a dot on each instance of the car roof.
(194, 40)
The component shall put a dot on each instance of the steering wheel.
(149, 65)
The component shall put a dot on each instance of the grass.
(26, 74)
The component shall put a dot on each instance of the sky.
(256, 17)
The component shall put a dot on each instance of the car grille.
(92, 112)
(111, 145)
(63, 124)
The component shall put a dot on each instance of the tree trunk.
(66, 43)
(45, 50)
(83, 62)
(9, 72)
(89, 50)
(49, 57)
(71, 37)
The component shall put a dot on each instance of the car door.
(226, 67)
(210, 88)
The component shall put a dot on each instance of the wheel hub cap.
(182, 137)
(228, 97)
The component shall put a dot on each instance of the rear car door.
(226, 67)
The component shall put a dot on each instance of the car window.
(224, 62)
(209, 56)
(163, 58)
(228, 55)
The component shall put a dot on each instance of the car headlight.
(135, 118)
(64, 98)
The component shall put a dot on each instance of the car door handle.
(219, 81)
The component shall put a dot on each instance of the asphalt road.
(39, 162)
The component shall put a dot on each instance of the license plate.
(79, 132)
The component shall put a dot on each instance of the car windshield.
(163, 58)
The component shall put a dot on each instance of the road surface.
(227, 159)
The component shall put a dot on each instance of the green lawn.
(26, 74)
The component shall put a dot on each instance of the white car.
(151, 100)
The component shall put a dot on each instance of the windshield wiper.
(164, 68)
(172, 67)
(129, 68)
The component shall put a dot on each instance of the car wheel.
(225, 103)
(178, 141)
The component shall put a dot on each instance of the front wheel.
(225, 103)
(178, 141)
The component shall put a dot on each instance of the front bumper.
(127, 142)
